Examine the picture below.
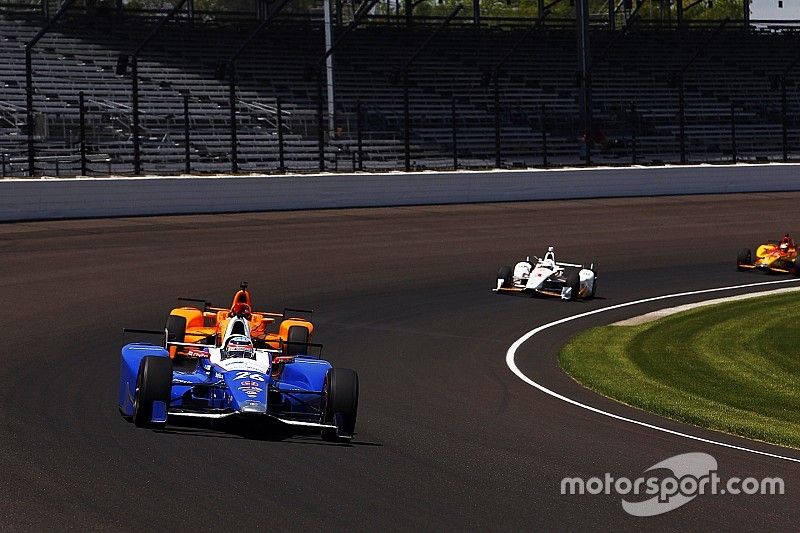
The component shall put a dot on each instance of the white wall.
(45, 198)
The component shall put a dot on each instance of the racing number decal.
(248, 375)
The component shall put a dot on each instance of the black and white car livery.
(545, 275)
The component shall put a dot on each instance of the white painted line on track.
(512, 351)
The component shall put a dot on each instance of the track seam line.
(512, 365)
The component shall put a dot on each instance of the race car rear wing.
(559, 263)
(286, 310)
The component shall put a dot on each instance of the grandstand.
(634, 94)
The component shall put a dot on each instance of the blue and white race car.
(240, 381)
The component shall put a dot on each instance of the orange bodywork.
(207, 326)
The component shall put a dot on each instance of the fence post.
(3, 158)
(281, 161)
(454, 126)
(784, 121)
(543, 120)
(359, 136)
(137, 162)
(234, 133)
(634, 132)
(406, 124)
(321, 135)
(29, 109)
(682, 119)
(82, 128)
(497, 119)
(733, 133)
(186, 134)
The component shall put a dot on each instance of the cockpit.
(549, 259)
(238, 347)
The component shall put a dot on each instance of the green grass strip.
(732, 367)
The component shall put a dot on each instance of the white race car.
(546, 276)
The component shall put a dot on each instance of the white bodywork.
(533, 276)
(240, 326)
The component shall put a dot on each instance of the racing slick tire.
(297, 341)
(574, 283)
(176, 328)
(340, 404)
(745, 257)
(153, 384)
(506, 273)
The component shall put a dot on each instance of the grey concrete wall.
(46, 198)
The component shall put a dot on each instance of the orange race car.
(210, 325)
(774, 256)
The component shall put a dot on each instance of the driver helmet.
(784, 246)
(239, 347)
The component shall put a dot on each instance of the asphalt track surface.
(448, 438)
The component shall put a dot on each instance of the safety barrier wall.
(46, 198)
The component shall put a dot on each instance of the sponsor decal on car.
(248, 375)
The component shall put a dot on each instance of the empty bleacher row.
(633, 94)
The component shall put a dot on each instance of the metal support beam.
(29, 110)
(406, 124)
(634, 134)
(784, 121)
(281, 155)
(137, 162)
(325, 61)
(187, 152)
(543, 121)
(681, 118)
(320, 128)
(454, 128)
(584, 54)
(360, 135)
(497, 120)
(329, 77)
(234, 126)
(746, 14)
(82, 131)
(733, 133)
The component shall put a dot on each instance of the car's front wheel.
(506, 273)
(574, 283)
(153, 384)
(745, 257)
(340, 404)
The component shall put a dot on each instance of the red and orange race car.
(774, 256)
(210, 325)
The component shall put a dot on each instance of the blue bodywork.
(201, 388)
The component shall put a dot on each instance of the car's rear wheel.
(574, 283)
(745, 257)
(506, 273)
(176, 332)
(297, 341)
(153, 384)
(340, 404)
